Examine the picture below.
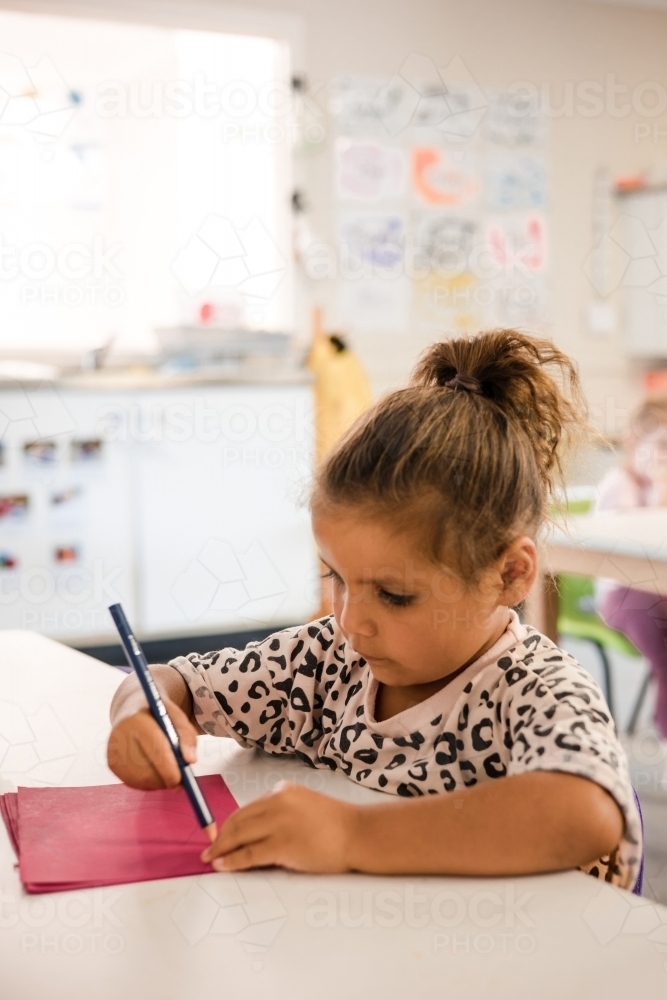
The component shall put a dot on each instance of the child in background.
(494, 748)
(641, 481)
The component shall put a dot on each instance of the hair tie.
(466, 382)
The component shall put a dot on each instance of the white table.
(627, 546)
(274, 934)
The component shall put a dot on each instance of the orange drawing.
(441, 179)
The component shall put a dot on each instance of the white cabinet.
(222, 538)
(185, 503)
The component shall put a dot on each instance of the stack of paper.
(74, 838)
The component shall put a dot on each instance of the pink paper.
(73, 838)
(9, 810)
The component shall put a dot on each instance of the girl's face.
(413, 621)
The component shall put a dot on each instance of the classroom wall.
(556, 44)
(560, 45)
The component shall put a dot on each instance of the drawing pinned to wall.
(441, 177)
(514, 119)
(460, 111)
(14, 507)
(66, 554)
(67, 508)
(89, 450)
(64, 498)
(518, 244)
(368, 171)
(514, 182)
(357, 103)
(395, 104)
(443, 102)
(521, 303)
(376, 239)
(375, 305)
(449, 304)
(444, 243)
(40, 452)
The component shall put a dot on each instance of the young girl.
(494, 748)
(641, 481)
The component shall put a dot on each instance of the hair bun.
(529, 380)
(466, 382)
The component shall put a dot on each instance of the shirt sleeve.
(564, 725)
(267, 694)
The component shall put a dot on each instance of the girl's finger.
(257, 855)
(246, 826)
(154, 747)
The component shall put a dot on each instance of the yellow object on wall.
(342, 390)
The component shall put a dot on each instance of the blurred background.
(225, 230)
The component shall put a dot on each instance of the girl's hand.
(140, 754)
(292, 827)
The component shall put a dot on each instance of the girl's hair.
(467, 455)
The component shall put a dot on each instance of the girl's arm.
(267, 695)
(138, 751)
(536, 822)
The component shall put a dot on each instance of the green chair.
(577, 617)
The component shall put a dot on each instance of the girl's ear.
(518, 570)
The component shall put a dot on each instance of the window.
(144, 181)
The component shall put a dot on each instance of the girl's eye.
(331, 575)
(396, 600)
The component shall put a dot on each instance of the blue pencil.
(137, 660)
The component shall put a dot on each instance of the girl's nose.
(354, 616)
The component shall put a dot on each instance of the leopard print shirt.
(525, 705)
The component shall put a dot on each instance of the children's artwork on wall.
(394, 105)
(65, 498)
(375, 305)
(430, 106)
(65, 555)
(443, 178)
(456, 304)
(444, 243)
(419, 102)
(67, 508)
(375, 239)
(466, 108)
(463, 244)
(368, 171)
(520, 303)
(14, 507)
(360, 104)
(88, 450)
(40, 452)
(517, 245)
(515, 182)
(514, 119)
